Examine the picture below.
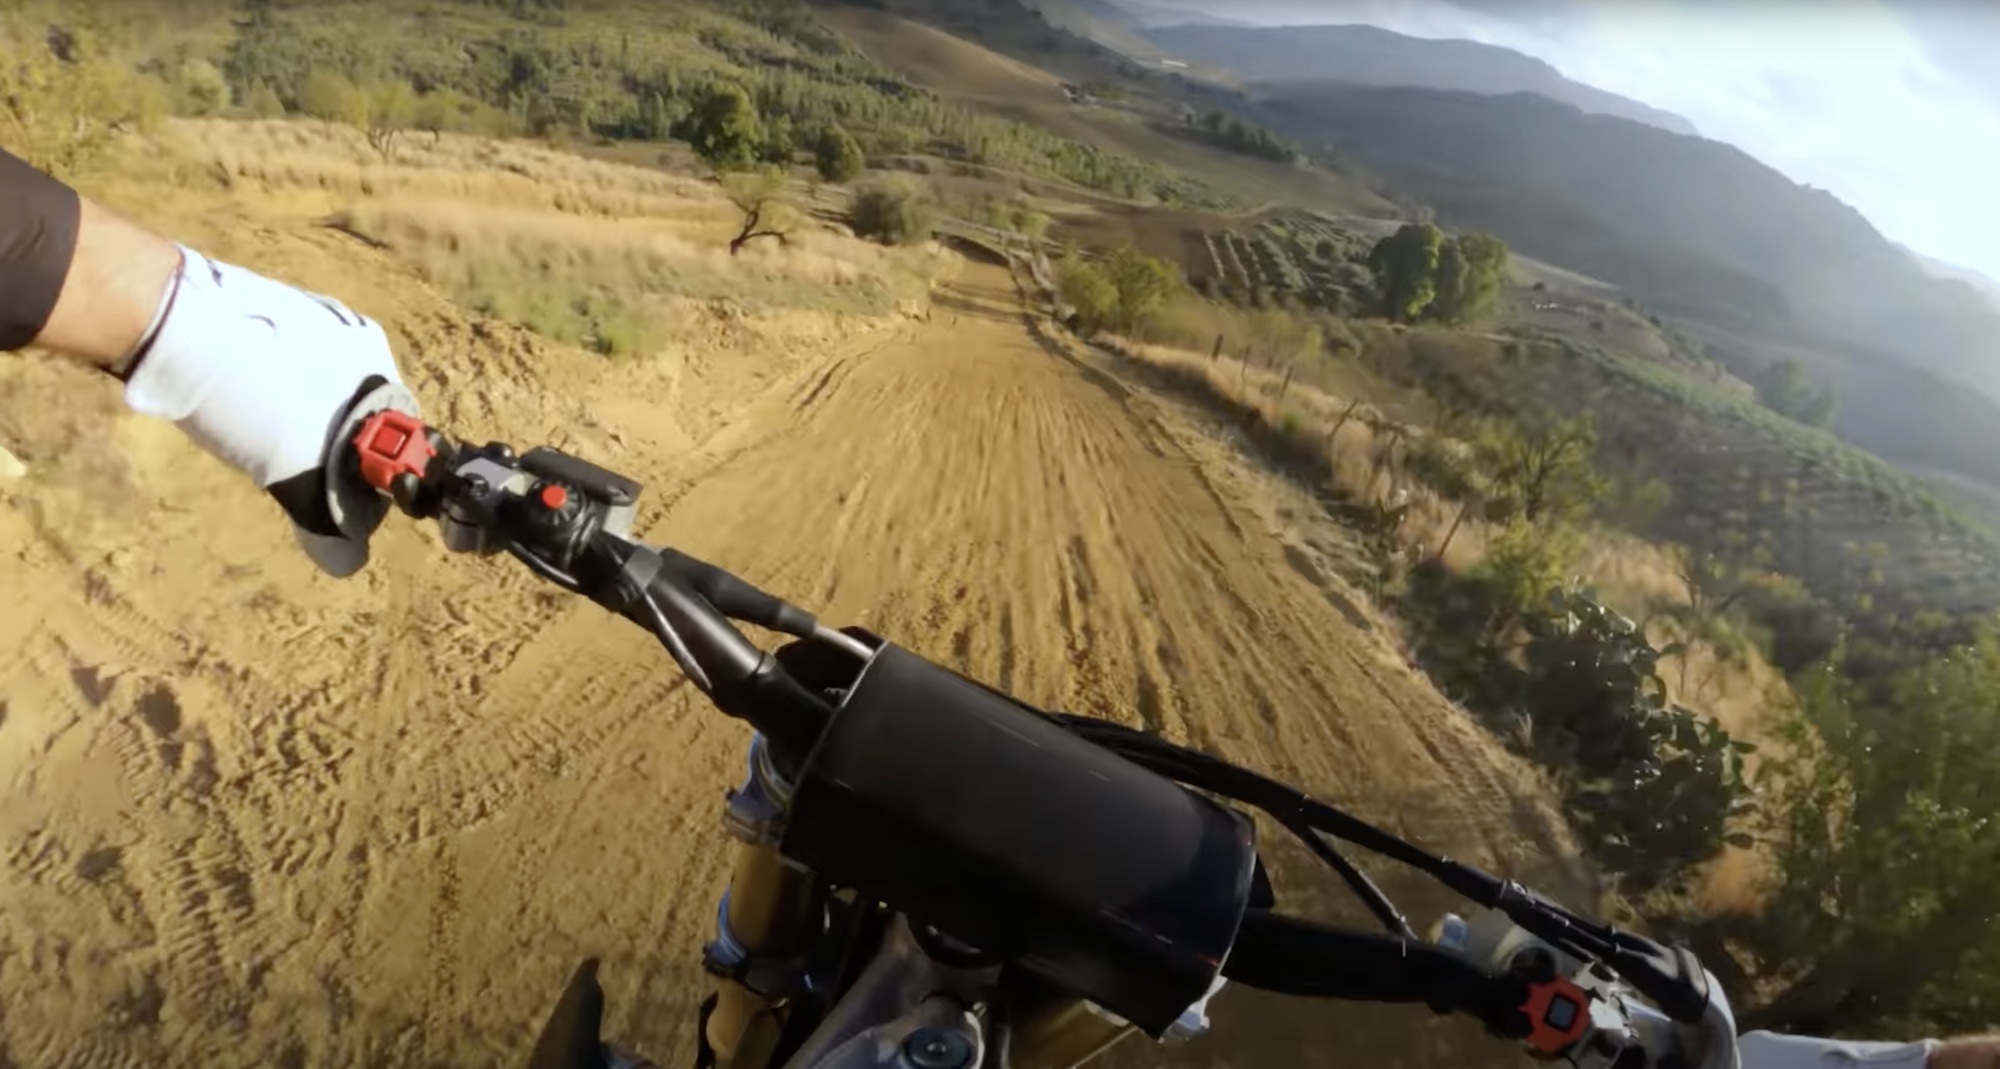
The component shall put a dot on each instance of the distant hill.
(1147, 13)
(1981, 283)
(1099, 21)
(1698, 229)
(1368, 55)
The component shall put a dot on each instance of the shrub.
(203, 89)
(894, 213)
(1653, 788)
(838, 156)
(263, 102)
(1091, 295)
(329, 97)
(1123, 292)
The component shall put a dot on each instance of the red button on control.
(554, 496)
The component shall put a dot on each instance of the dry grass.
(592, 253)
(336, 162)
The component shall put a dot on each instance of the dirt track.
(252, 816)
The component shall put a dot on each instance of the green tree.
(1888, 854)
(726, 130)
(1471, 270)
(838, 156)
(1405, 265)
(1545, 474)
(329, 97)
(779, 145)
(1144, 283)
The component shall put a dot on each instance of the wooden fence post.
(1339, 423)
(1286, 387)
(1463, 511)
(1217, 351)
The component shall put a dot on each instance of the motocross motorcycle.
(934, 875)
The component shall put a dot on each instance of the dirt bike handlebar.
(569, 521)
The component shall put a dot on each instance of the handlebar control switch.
(614, 494)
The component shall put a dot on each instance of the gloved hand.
(262, 374)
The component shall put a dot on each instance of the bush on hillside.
(838, 156)
(894, 213)
(1788, 389)
(1888, 856)
(1654, 788)
(331, 98)
(1122, 292)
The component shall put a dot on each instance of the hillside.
(999, 64)
(1369, 55)
(1099, 21)
(1698, 230)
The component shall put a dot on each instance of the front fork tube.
(768, 920)
(770, 913)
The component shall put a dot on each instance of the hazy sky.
(1893, 105)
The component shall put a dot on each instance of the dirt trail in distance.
(256, 817)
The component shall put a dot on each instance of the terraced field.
(1293, 261)
(1861, 534)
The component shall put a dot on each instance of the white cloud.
(1843, 95)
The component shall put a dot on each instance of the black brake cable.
(543, 568)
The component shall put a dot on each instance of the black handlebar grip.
(1296, 957)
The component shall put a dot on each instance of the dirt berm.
(256, 817)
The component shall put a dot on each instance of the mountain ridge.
(1149, 15)
(1373, 56)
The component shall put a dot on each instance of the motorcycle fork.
(769, 920)
(771, 913)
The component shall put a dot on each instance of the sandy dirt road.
(252, 816)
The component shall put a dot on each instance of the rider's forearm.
(78, 279)
(1969, 1052)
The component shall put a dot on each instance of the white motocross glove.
(1767, 1050)
(262, 375)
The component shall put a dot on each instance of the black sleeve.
(38, 221)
